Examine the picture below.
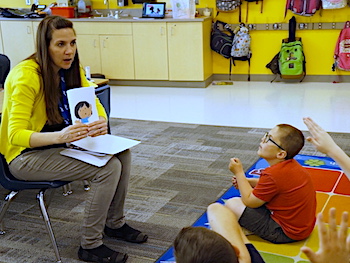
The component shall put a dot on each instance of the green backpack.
(292, 60)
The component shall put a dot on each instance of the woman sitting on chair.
(36, 126)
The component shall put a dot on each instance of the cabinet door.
(18, 40)
(150, 51)
(117, 58)
(185, 51)
(89, 52)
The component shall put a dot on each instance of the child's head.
(83, 110)
(283, 141)
(201, 245)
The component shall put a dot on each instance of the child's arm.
(334, 244)
(243, 184)
(325, 144)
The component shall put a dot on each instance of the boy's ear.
(281, 154)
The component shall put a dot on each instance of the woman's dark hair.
(201, 245)
(50, 83)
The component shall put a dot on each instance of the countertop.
(122, 19)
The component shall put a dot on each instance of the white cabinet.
(107, 47)
(18, 40)
(89, 52)
(189, 51)
(178, 51)
(150, 51)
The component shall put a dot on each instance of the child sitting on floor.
(280, 206)
(201, 245)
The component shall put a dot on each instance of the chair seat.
(9, 182)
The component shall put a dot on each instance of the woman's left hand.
(97, 128)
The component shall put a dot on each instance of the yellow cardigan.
(24, 108)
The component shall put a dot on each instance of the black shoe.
(126, 233)
(101, 254)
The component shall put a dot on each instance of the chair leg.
(4, 209)
(46, 218)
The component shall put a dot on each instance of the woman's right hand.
(73, 133)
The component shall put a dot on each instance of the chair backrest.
(5, 65)
(5, 175)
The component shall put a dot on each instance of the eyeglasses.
(267, 137)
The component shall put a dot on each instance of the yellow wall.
(318, 44)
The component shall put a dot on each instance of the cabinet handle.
(172, 31)
(161, 30)
(29, 30)
(104, 43)
(95, 42)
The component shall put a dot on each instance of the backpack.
(241, 46)
(291, 60)
(303, 7)
(291, 57)
(333, 4)
(342, 49)
(273, 65)
(221, 39)
(256, 1)
(227, 5)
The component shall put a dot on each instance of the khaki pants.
(105, 200)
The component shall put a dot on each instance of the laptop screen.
(153, 10)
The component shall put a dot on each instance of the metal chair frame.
(9, 182)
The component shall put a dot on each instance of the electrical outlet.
(28, 2)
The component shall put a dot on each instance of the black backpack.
(221, 38)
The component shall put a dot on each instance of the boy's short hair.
(291, 139)
(201, 245)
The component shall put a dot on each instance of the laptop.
(153, 10)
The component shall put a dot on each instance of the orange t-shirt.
(289, 194)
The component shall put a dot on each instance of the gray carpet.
(177, 170)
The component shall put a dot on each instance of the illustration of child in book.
(83, 110)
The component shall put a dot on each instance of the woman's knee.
(110, 172)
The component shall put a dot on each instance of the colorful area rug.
(333, 190)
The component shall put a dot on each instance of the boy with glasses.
(280, 206)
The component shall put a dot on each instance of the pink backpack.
(303, 7)
(342, 49)
(334, 4)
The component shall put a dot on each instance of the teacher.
(36, 126)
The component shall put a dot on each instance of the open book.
(99, 150)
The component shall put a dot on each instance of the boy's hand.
(234, 182)
(334, 244)
(236, 166)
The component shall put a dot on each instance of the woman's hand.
(97, 128)
(73, 133)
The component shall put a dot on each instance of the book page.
(82, 104)
(106, 143)
(87, 157)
